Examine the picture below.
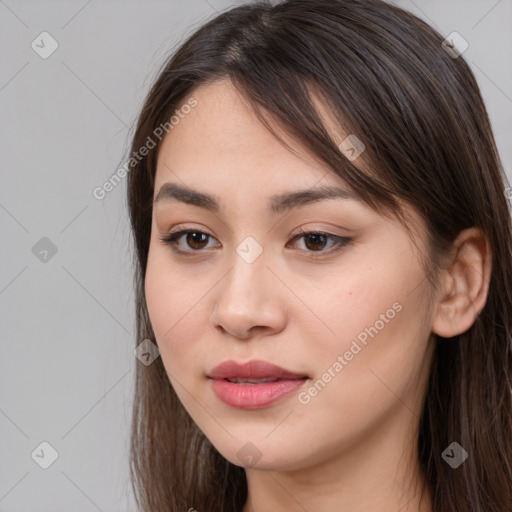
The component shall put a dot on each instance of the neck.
(373, 473)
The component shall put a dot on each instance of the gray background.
(66, 365)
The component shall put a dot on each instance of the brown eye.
(195, 240)
(315, 241)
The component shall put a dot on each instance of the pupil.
(317, 239)
(193, 243)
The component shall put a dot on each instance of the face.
(345, 310)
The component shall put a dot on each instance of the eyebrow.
(170, 192)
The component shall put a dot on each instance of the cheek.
(374, 314)
(379, 345)
(353, 304)
(174, 305)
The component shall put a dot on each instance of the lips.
(253, 385)
(252, 370)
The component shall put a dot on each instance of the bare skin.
(352, 444)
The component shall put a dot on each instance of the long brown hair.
(386, 77)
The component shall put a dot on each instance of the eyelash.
(339, 241)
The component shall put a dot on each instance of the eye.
(195, 239)
(314, 241)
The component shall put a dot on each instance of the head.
(415, 274)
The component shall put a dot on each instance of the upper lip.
(254, 369)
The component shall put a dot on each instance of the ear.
(464, 284)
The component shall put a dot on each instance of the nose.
(248, 302)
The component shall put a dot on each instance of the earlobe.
(465, 284)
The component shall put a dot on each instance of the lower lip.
(254, 396)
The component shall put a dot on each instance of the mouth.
(243, 380)
(253, 385)
(254, 370)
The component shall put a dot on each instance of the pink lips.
(245, 393)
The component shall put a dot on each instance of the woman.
(324, 260)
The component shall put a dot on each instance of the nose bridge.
(247, 280)
(246, 298)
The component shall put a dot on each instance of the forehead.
(222, 139)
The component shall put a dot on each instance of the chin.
(262, 455)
